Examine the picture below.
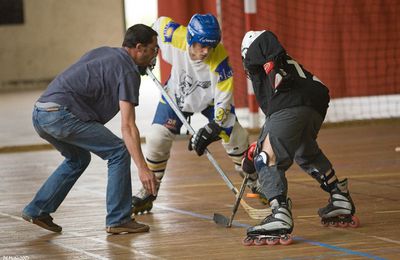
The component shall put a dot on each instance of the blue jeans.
(75, 139)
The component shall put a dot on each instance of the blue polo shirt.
(92, 87)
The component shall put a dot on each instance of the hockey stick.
(224, 221)
(252, 212)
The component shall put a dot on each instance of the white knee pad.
(158, 145)
(238, 143)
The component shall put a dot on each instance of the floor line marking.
(80, 235)
(386, 239)
(387, 211)
(238, 224)
(76, 250)
(123, 247)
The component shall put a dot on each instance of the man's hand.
(148, 180)
(205, 136)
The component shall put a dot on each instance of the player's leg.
(279, 224)
(237, 144)
(159, 141)
(310, 158)
(158, 145)
(279, 139)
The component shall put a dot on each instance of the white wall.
(54, 35)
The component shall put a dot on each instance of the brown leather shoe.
(128, 227)
(45, 221)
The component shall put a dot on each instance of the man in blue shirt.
(71, 115)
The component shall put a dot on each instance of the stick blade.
(221, 220)
(255, 213)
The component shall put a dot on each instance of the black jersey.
(279, 81)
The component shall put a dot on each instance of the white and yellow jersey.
(196, 84)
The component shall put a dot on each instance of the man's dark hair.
(138, 33)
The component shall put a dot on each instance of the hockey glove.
(248, 159)
(205, 136)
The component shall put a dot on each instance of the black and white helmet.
(248, 39)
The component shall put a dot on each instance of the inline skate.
(275, 228)
(340, 209)
(142, 202)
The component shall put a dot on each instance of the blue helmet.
(204, 29)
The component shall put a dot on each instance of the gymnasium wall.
(55, 33)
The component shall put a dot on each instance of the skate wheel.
(141, 212)
(248, 241)
(142, 209)
(343, 224)
(286, 240)
(324, 223)
(260, 241)
(272, 241)
(333, 224)
(355, 222)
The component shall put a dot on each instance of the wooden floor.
(181, 222)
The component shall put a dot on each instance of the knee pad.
(238, 143)
(271, 178)
(261, 160)
(327, 180)
(158, 145)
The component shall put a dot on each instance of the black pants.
(292, 133)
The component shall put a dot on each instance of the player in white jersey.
(201, 80)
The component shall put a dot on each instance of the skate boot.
(340, 209)
(275, 228)
(142, 202)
